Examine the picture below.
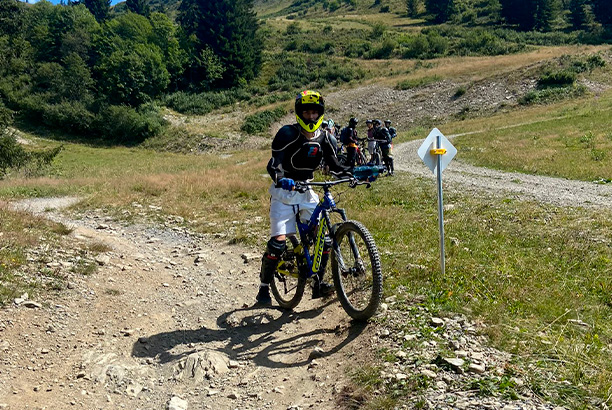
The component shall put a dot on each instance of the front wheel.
(356, 270)
(287, 283)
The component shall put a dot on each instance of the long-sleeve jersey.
(296, 157)
(382, 134)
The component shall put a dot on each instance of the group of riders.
(350, 148)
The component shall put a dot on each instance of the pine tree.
(440, 10)
(11, 17)
(139, 7)
(99, 8)
(602, 9)
(519, 12)
(413, 7)
(580, 14)
(545, 13)
(229, 29)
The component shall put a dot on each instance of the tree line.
(524, 15)
(80, 68)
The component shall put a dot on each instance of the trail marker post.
(437, 152)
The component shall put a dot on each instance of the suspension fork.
(351, 240)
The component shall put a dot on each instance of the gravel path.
(459, 175)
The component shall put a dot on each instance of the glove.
(287, 183)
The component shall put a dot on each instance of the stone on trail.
(200, 364)
(176, 403)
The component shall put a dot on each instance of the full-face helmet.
(369, 122)
(387, 123)
(377, 123)
(309, 100)
(353, 122)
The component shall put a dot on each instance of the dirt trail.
(165, 316)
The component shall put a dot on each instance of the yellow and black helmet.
(309, 100)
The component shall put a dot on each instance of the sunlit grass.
(571, 140)
(530, 271)
(19, 232)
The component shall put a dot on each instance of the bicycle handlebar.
(353, 182)
(301, 186)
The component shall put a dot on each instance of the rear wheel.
(356, 270)
(287, 284)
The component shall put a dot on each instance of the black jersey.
(296, 157)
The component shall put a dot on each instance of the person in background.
(392, 131)
(381, 134)
(297, 151)
(325, 127)
(348, 137)
(371, 142)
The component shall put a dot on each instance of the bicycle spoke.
(357, 273)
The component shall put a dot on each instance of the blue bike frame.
(320, 222)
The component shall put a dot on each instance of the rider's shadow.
(243, 340)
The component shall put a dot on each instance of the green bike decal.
(318, 251)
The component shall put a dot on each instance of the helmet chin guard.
(309, 100)
(309, 126)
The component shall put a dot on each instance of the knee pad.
(275, 248)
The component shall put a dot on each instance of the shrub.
(128, 125)
(357, 49)
(430, 45)
(383, 50)
(293, 28)
(548, 95)
(417, 82)
(296, 71)
(261, 121)
(557, 79)
(460, 92)
(203, 103)
(13, 155)
(68, 116)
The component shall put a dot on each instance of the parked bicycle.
(355, 261)
(360, 158)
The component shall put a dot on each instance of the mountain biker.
(392, 131)
(348, 137)
(382, 135)
(328, 130)
(297, 151)
(371, 142)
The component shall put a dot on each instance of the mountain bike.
(355, 261)
(360, 158)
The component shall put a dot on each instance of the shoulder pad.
(285, 136)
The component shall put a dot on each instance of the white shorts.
(371, 146)
(284, 205)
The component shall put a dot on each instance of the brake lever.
(300, 188)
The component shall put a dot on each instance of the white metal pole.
(440, 207)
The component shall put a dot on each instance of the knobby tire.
(359, 283)
(288, 290)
